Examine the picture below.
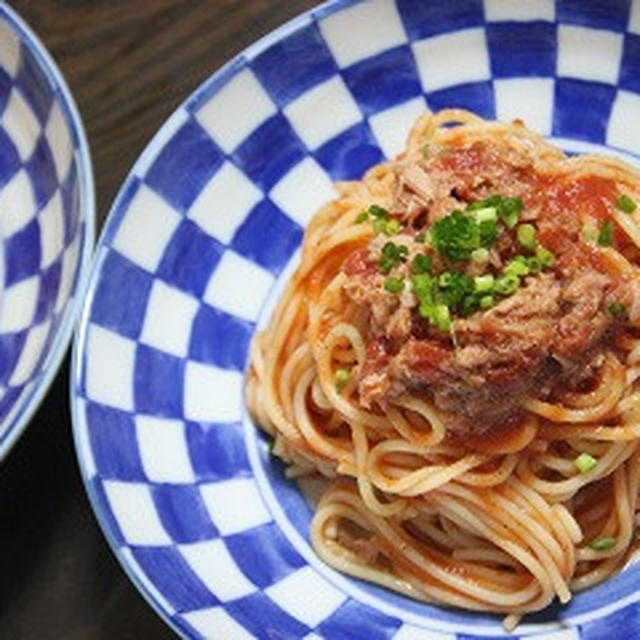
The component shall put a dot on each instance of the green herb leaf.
(442, 317)
(456, 236)
(509, 210)
(444, 280)
(488, 232)
(362, 217)
(454, 287)
(617, 308)
(605, 237)
(486, 302)
(378, 212)
(535, 264)
(602, 543)
(485, 214)
(469, 305)
(423, 286)
(517, 267)
(379, 225)
(392, 227)
(480, 256)
(507, 284)
(392, 254)
(585, 462)
(626, 204)
(421, 263)
(483, 284)
(547, 259)
(394, 285)
(526, 234)
(340, 378)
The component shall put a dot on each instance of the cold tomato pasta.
(458, 353)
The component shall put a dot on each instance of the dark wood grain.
(129, 64)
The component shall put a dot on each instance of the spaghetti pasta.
(480, 444)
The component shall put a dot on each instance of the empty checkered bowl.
(202, 237)
(46, 221)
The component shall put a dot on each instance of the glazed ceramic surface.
(46, 222)
(200, 241)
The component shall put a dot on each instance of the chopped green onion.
(483, 284)
(488, 232)
(442, 317)
(454, 287)
(507, 284)
(394, 285)
(362, 217)
(480, 256)
(341, 377)
(527, 236)
(378, 212)
(421, 263)
(456, 235)
(517, 267)
(390, 249)
(392, 227)
(617, 308)
(424, 150)
(509, 210)
(626, 204)
(379, 225)
(585, 462)
(589, 232)
(421, 237)
(602, 543)
(422, 285)
(392, 254)
(547, 259)
(487, 213)
(605, 236)
(469, 305)
(535, 264)
(486, 302)
(445, 279)
(426, 310)
(483, 204)
(510, 219)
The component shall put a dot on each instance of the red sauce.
(357, 263)
(591, 196)
(558, 207)
(467, 160)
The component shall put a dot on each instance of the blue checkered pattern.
(46, 221)
(204, 522)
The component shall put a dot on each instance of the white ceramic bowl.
(46, 222)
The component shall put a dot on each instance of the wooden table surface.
(129, 64)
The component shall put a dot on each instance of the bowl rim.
(208, 86)
(87, 205)
(212, 82)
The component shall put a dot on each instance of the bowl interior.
(204, 234)
(45, 220)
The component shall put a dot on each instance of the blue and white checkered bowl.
(46, 222)
(201, 239)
